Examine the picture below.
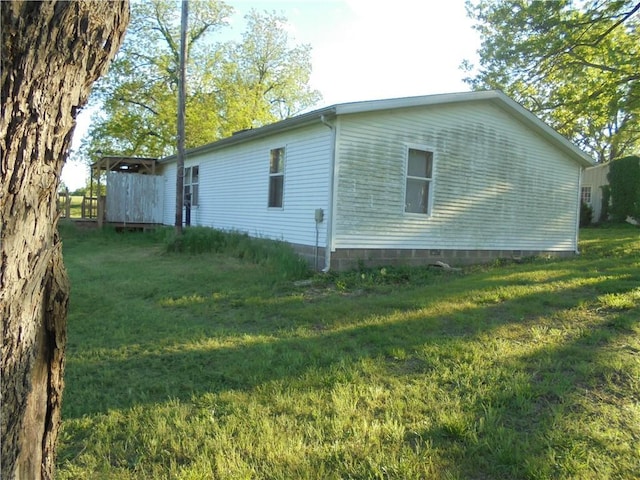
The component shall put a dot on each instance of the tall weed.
(279, 257)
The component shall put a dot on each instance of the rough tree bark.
(52, 51)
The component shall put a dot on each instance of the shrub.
(586, 214)
(624, 184)
(606, 204)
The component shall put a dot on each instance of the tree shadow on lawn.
(140, 317)
(493, 442)
(550, 423)
(184, 370)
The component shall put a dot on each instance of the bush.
(624, 184)
(605, 212)
(586, 214)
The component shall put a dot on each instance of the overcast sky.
(363, 50)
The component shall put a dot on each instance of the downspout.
(577, 250)
(329, 216)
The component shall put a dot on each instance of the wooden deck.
(92, 223)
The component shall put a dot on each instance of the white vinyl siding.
(497, 184)
(234, 186)
(595, 178)
(169, 180)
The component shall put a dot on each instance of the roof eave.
(252, 134)
(495, 96)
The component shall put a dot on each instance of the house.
(593, 180)
(458, 178)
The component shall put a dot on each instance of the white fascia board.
(406, 102)
(255, 133)
(598, 165)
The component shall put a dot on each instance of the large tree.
(52, 51)
(574, 63)
(230, 85)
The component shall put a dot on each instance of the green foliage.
(586, 214)
(624, 187)
(276, 255)
(373, 279)
(572, 63)
(230, 86)
(201, 366)
(605, 212)
(75, 205)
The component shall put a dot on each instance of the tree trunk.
(52, 51)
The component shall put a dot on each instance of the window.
(276, 177)
(191, 181)
(585, 195)
(419, 180)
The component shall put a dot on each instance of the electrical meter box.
(319, 215)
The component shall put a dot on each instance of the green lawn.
(75, 206)
(213, 366)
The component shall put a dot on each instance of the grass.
(220, 365)
(75, 206)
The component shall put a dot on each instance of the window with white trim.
(585, 195)
(276, 177)
(419, 181)
(191, 183)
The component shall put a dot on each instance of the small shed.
(134, 192)
(455, 178)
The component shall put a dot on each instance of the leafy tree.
(52, 52)
(230, 86)
(575, 64)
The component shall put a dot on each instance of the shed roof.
(125, 164)
(495, 97)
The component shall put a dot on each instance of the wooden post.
(67, 204)
(181, 114)
(91, 172)
(101, 202)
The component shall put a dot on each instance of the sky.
(361, 50)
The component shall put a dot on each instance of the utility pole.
(184, 20)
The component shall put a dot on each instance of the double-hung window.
(276, 177)
(585, 195)
(419, 181)
(191, 181)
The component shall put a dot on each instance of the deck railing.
(89, 208)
